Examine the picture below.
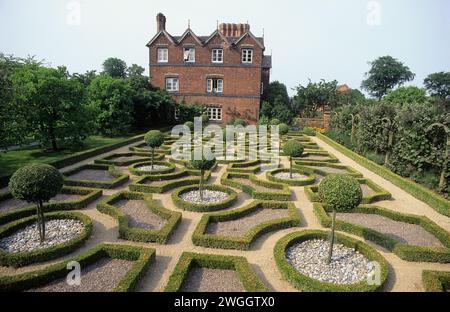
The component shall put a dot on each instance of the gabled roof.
(215, 33)
(186, 33)
(248, 33)
(162, 32)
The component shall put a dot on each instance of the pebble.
(155, 167)
(209, 196)
(347, 265)
(286, 176)
(56, 232)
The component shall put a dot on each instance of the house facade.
(226, 71)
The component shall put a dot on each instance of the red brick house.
(226, 71)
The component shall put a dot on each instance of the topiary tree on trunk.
(190, 125)
(340, 192)
(283, 129)
(154, 139)
(36, 183)
(292, 148)
(206, 163)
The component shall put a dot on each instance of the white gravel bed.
(347, 265)
(209, 196)
(149, 168)
(56, 232)
(286, 176)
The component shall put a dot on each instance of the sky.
(308, 39)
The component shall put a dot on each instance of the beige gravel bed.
(403, 232)
(328, 169)
(91, 174)
(242, 225)
(211, 280)
(12, 204)
(102, 276)
(366, 190)
(139, 215)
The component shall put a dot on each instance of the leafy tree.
(266, 109)
(406, 95)
(283, 128)
(239, 122)
(86, 78)
(205, 163)
(282, 111)
(351, 97)
(341, 193)
(263, 120)
(438, 85)
(154, 139)
(190, 125)
(276, 90)
(135, 71)
(292, 148)
(314, 97)
(385, 74)
(187, 112)
(115, 67)
(36, 183)
(275, 122)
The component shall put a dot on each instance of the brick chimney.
(161, 22)
(233, 30)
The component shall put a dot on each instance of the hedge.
(305, 283)
(436, 281)
(138, 157)
(304, 161)
(134, 168)
(89, 196)
(185, 205)
(201, 238)
(420, 192)
(190, 169)
(142, 258)
(316, 168)
(120, 178)
(39, 255)
(244, 272)
(280, 192)
(404, 251)
(139, 234)
(310, 177)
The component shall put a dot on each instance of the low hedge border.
(244, 271)
(109, 160)
(24, 258)
(281, 191)
(185, 205)
(310, 177)
(420, 192)
(142, 258)
(349, 170)
(403, 251)
(134, 168)
(305, 283)
(138, 234)
(436, 281)
(304, 161)
(141, 185)
(200, 238)
(190, 169)
(89, 195)
(379, 195)
(120, 178)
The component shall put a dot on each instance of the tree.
(135, 71)
(115, 67)
(438, 85)
(406, 95)
(314, 97)
(352, 97)
(292, 148)
(283, 128)
(340, 193)
(385, 74)
(154, 139)
(205, 163)
(278, 90)
(239, 122)
(190, 125)
(276, 103)
(36, 183)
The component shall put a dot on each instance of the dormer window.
(217, 56)
(247, 56)
(189, 55)
(163, 55)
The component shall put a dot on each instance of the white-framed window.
(163, 55)
(247, 56)
(172, 84)
(214, 113)
(217, 56)
(189, 55)
(214, 85)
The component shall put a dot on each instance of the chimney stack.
(160, 22)
(233, 30)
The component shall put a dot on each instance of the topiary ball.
(240, 122)
(283, 128)
(206, 163)
(36, 182)
(275, 122)
(190, 125)
(154, 138)
(340, 192)
(293, 148)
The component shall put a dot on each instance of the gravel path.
(315, 157)
(328, 169)
(11, 204)
(403, 232)
(211, 280)
(139, 215)
(102, 276)
(310, 258)
(92, 174)
(257, 187)
(286, 176)
(209, 196)
(27, 239)
(127, 158)
(242, 225)
(149, 168)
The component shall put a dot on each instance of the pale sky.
(313, 39)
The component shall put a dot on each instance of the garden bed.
(94, 175)
(216, 198)
(148, 184)
(300, 177)
(145, 168)
(126, 159)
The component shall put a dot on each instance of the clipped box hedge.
(185, 205)
(134, 158)
(164, 182)
(201, 238)
(39, 255)
(134, 169)
(142, 258)
(306, 283)
(310, 177)
(119, 177)
(436, 281)
(321, 169)
(89, 196)
(280, 192)
(190, 169)
(305, 161)
(248, 278)
(404, 251)
(160, 236)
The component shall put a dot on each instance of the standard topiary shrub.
(190, 125)
(309, 131)
(154, 139)
(275, 122)
(205, 163)
(283, 129)
(341, 193)
(240, 122)
(36, 183)
(292, 148)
